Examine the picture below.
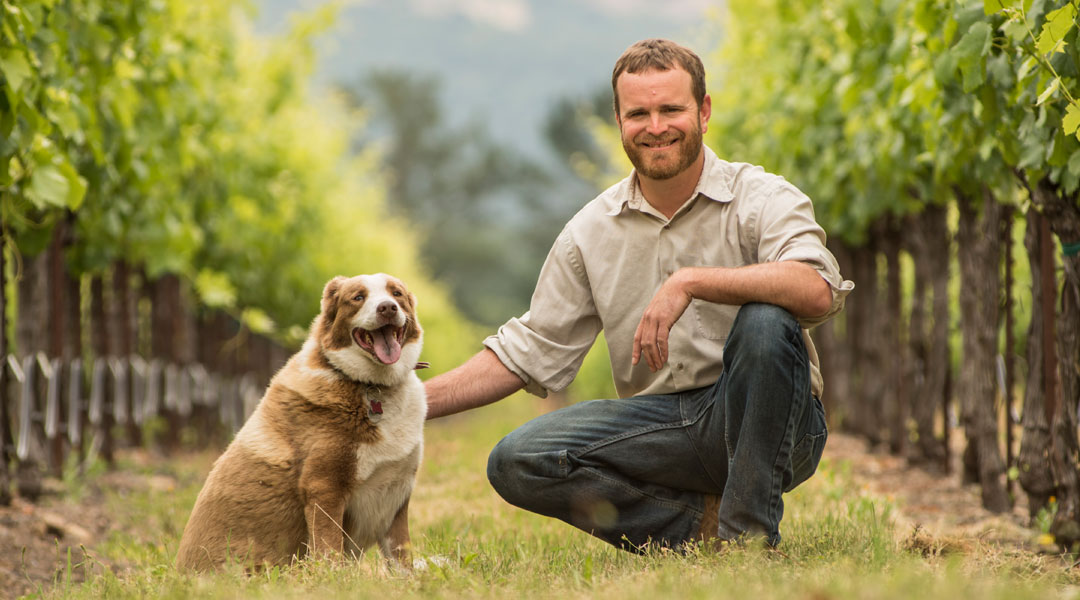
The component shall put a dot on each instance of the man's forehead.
(673, 79)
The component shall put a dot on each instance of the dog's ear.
(329, 297)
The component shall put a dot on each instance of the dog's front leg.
(395, 546)
(324, 506)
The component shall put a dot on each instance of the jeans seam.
(776, 485)
(629, 434)
(649, 497)
(698, 454)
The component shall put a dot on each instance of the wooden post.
(1010, 359)
(5, 426)
(57, 316)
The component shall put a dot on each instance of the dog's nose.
(387, 309)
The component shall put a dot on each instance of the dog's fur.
(316, 469)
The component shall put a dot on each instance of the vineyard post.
(1010, 361)
(5, 428)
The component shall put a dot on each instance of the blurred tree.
(488, 212)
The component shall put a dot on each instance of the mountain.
(502, 62)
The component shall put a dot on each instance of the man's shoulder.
(750, 181)
(600, 208)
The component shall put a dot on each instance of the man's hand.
(651, 337)
(793, 285)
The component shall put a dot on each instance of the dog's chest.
(398, 416)
(386, 468)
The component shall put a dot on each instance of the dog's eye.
(397, 293)
(359, 297)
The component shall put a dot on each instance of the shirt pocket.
(713, 320)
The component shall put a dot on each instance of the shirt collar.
(714, 184)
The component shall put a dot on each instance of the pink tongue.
(387, 348)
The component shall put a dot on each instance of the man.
(703, 275)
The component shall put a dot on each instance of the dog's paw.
(423, 564)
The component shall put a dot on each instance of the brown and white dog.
(327, 461)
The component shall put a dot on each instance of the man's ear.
(329, 297)
(706, 113)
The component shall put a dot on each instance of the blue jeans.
(635, 471)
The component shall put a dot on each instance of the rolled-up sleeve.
(546, 346)
(788, 231)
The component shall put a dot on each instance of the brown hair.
(660, 55)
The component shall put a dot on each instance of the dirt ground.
(35, 537)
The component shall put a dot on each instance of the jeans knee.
(499, 467)
(521, 467)
(762, 330)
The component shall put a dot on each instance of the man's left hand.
(651, 337)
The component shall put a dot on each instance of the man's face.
(661, 124)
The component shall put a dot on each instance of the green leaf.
(61, 113)
(1057, 26)
(1074, 163)
(974, 76)
(1016, 30)
(48, 188)
(1071, 121)
(14, 67)
(215, 289)
(1055, 83)
(975, 44)
(1026, 68)
(994, 6)
(76, 185)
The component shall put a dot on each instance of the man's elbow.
(819, 301)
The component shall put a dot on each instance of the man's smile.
(659, 144)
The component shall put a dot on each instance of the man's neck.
(668, 195)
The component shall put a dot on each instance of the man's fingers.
(645, 343)
(661, 345)
(636, 356)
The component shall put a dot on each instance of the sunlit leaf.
(1057, 26)
(14, 67)
(993, 6)
(215, 289)
(1071, 121)
(1055, 84)
(48, 187)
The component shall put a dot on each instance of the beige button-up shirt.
(614, 254)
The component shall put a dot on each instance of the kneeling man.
(704, 275)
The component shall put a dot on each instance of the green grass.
(838, 543)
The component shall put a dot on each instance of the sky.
(502, 62)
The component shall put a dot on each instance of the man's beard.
(689, 150)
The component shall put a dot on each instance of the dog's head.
(368, 327)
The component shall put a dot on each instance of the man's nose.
(657, 124)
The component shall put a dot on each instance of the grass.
(838, 543)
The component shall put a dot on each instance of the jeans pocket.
(807, 452)
(805, 458)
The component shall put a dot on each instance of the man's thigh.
(644, 438)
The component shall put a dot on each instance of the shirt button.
(679, 367)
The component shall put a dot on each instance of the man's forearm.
(483, 379)
(796, 286)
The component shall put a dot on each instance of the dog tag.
(374, 411)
